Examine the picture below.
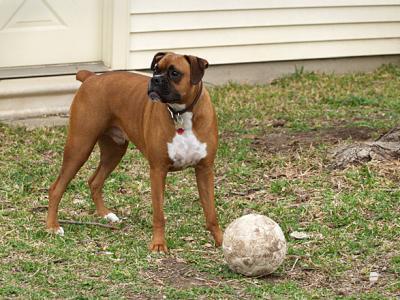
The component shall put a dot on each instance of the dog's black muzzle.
(160, 89)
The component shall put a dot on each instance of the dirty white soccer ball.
(254, 245)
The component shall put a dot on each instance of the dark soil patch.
(177, 273)
(281, 140)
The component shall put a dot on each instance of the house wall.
(246, 31)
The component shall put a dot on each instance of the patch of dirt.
(177, 273)
(281, 140)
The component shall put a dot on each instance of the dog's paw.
(112, 217)
(218, 237)
(60, 231)
(158, 247)
(57, 230)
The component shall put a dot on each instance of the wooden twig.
(87, 223)
(295, 262)
(39, 208)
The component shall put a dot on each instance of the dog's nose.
(157, 79)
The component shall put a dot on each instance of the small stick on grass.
(295, 262)
(87, 223)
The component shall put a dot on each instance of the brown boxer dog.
(170, 119)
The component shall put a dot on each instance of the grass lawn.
(273, 159)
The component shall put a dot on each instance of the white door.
(35, 32)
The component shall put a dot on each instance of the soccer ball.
(254, 245)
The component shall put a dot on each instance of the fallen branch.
(87, 223)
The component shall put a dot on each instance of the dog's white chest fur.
(185, 149)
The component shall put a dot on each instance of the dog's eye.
(174, 74)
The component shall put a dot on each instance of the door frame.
(116, 31)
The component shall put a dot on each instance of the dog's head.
(175, 77)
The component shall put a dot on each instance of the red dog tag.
(180, 131)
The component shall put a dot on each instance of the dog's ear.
(197, 67)
(156, 59)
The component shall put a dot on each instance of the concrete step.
(39, 122)
(29, 97)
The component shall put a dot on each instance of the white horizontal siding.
(261, 35)
(256, 53)
(264, 17)
(143, 7)
(255, 30)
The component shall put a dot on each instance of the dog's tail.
(82, 75)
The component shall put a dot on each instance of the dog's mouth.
(154, 96)
(163, 94)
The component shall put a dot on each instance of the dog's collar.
(177, 115)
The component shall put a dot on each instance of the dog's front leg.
(205, 185)
(157, 177)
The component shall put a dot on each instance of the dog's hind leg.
(111, 152)
(76, 153)
(83, 133)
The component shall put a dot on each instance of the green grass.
(353, 215)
